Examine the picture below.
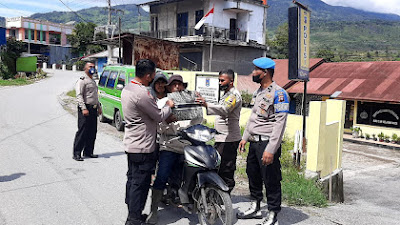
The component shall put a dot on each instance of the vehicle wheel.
(102, 118)
(219, 205)
(118, 122)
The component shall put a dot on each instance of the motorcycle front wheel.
(219, 207)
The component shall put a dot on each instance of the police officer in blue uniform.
(264, 131)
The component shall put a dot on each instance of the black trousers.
(86, 134)
(228, 152)
(260, 174)
(140, 168)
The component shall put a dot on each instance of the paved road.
(41, 184)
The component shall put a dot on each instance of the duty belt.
(91, 106)
(256, 137)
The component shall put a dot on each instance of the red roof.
(245, 82)
(369, 81)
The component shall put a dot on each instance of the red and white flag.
(201, 22)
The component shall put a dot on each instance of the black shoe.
(253, 212)
(77, 158)
(91, 156)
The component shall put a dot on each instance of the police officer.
(227, 125)
(141, 116)
(264, 131)
(88, 109)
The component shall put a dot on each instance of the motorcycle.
(202, 190)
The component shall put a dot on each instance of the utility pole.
(109, 47)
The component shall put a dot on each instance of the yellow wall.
(325, 136)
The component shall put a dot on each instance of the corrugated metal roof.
(369, 81)
(245, 82)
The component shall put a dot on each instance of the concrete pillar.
(74, 68)
(54, 66)
(64, 67)
(44, 65)
(316, 138)
(336, 110)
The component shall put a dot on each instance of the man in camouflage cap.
(264, 131)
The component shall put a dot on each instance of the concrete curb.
(353, 140)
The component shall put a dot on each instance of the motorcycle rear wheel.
(219, 205)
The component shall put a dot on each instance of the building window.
(55, 38)
(43, 36)
(13, 33)
(182, 24)
(378, 114)
(29, 34)
(199, 15)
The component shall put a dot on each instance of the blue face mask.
(92, 71)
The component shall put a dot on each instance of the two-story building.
(238, 28)
(42, 37)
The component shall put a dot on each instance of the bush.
(246, 98)
(80, 65)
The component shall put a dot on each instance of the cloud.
(381, 6)
(6, 12)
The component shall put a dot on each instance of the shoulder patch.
(281, 101)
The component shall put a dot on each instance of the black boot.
(253, 212)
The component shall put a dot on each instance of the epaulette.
(82, 77)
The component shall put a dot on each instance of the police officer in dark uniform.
(265, 131)
(88, 109)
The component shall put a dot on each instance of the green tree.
(9, 56)
(82, 37)
(326, 53)
(280, 42)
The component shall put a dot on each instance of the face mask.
(223, 87)
(92, 71)
(257, 79)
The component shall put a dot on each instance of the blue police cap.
(264, 63)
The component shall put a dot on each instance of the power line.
(73, 11)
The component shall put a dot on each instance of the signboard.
(208, 87)
(378, 114)
(299, 43)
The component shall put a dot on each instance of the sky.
(26, 8)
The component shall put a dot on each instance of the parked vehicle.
(202, 190)
(111, 82)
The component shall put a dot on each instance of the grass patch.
(15, 82)
(297, 190)
(71, 93)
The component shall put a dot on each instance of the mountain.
(322, 12)
(98, 15)
(351, 33)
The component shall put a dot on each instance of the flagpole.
(212, 42)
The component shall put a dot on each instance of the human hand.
(267, 158)
(99, 111)
(201, 100)
(85, 112)
(170, 103)
(242, 144)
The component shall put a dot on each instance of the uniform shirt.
(228, 115)
(86, 92)
(141, 116)
(268, 116)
